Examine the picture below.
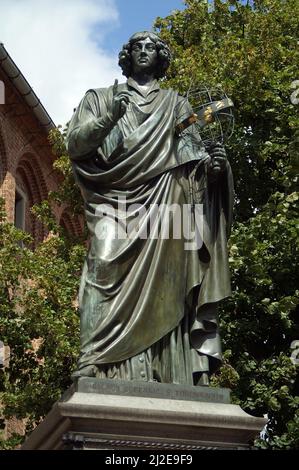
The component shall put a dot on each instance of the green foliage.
(13, 442)
(38, 320)
(68, 193)
(250, 49)
(252, 53)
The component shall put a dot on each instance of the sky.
(65, 47)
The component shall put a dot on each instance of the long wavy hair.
(164, 54)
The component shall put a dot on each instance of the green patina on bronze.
(148, 306)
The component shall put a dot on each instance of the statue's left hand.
(218, 160)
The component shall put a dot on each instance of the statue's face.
(144, 56)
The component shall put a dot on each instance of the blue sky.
(64, 47)
(139, 15)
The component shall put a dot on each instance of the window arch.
(72, 225)
(31, 183)
(3, 158)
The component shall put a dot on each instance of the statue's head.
(163, 54)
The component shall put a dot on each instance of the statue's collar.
(144, 91)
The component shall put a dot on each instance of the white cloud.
(59, 47)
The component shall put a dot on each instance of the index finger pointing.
(115, 87)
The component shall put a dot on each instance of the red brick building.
(26, 173)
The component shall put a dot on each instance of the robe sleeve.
(90, 124)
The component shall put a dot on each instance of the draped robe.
(148, 305)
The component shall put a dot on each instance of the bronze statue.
(148, 304)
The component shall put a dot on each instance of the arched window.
(20, 209)
(31, 190)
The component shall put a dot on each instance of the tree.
(251, 51)
(38, 309)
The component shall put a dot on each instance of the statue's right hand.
(120, 102)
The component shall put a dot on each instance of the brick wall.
(26, 166)
(26, 161)
(25, 158)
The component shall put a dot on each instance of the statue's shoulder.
(171, 92)
(181, 98)
(104, 93)
(97, 92)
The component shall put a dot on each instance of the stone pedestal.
(119, 415)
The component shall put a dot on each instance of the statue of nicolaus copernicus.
(148, 305)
